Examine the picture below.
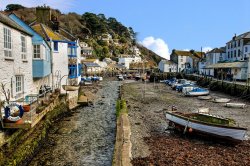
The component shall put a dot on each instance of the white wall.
(60, 63)
(126, 61)
(16, 66)
(181, 62)
(163, 66)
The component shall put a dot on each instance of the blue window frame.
(72, 71)
(55, 46)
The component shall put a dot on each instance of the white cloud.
(63, 5)
(157, 45)
(206, 49)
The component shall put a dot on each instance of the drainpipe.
(52, 67)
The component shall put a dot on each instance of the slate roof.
(188, 53)
(48, 33)
(245, 35)
(88, 64)
(9, 22)
(182, 53)
(217, 50)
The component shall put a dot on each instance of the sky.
(163, 25)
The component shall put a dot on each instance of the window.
(246, 49)
(19, 84)
(238, 43)
(7, 43)
(72, 71)
(181, 60)
(23, 48)
(37, 51)
(228, 54)
(231, 54)
(238, 53)
(234, 53)
(182, 65)
(55, 46)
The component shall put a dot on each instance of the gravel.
(88, 136)
(152, 145)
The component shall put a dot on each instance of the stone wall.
(21, 145)
(72, 99)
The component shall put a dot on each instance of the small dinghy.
(208, 124)
(235, 105)
(221, 100)
(70, 87)
(198, 92)
(205, 97)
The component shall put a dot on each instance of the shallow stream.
(85, 138)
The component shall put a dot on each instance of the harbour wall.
(18, 146)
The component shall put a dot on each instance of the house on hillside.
(41, 59)
(15, 59)
(125, 60)
(86, 51)
(135, 50)
(167, 66)
(187, 61)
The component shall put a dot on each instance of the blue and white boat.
(197, 92)
(180, 87)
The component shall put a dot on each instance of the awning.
(227, 65)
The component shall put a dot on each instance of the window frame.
(7, 40)
(19, 84)
(23, 47)
(35, 51)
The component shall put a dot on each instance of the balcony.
(41, 68)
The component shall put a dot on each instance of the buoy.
(190, 130)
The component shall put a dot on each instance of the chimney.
(43, 14)
(55, 23)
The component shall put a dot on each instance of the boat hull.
(197, 93)
(235, 105)
(221, 100)
(70, 88)
(229, 133)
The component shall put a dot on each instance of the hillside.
(93, 29)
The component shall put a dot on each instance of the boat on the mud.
(204, 97)
(207, 124)
(221, 100)
(197, 92)
(70, 87)
(235, 105)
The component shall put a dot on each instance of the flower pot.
(26, 108)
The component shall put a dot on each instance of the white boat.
(204, 97)
(197, 92)
(203, 110)
(206, 124)
(187, 89)
(70, 87)
(235, 105)
(221, 100)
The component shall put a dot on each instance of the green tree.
(13, 7)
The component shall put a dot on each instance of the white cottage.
(15, 59)
(167, 66)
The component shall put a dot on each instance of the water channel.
(85, 138)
